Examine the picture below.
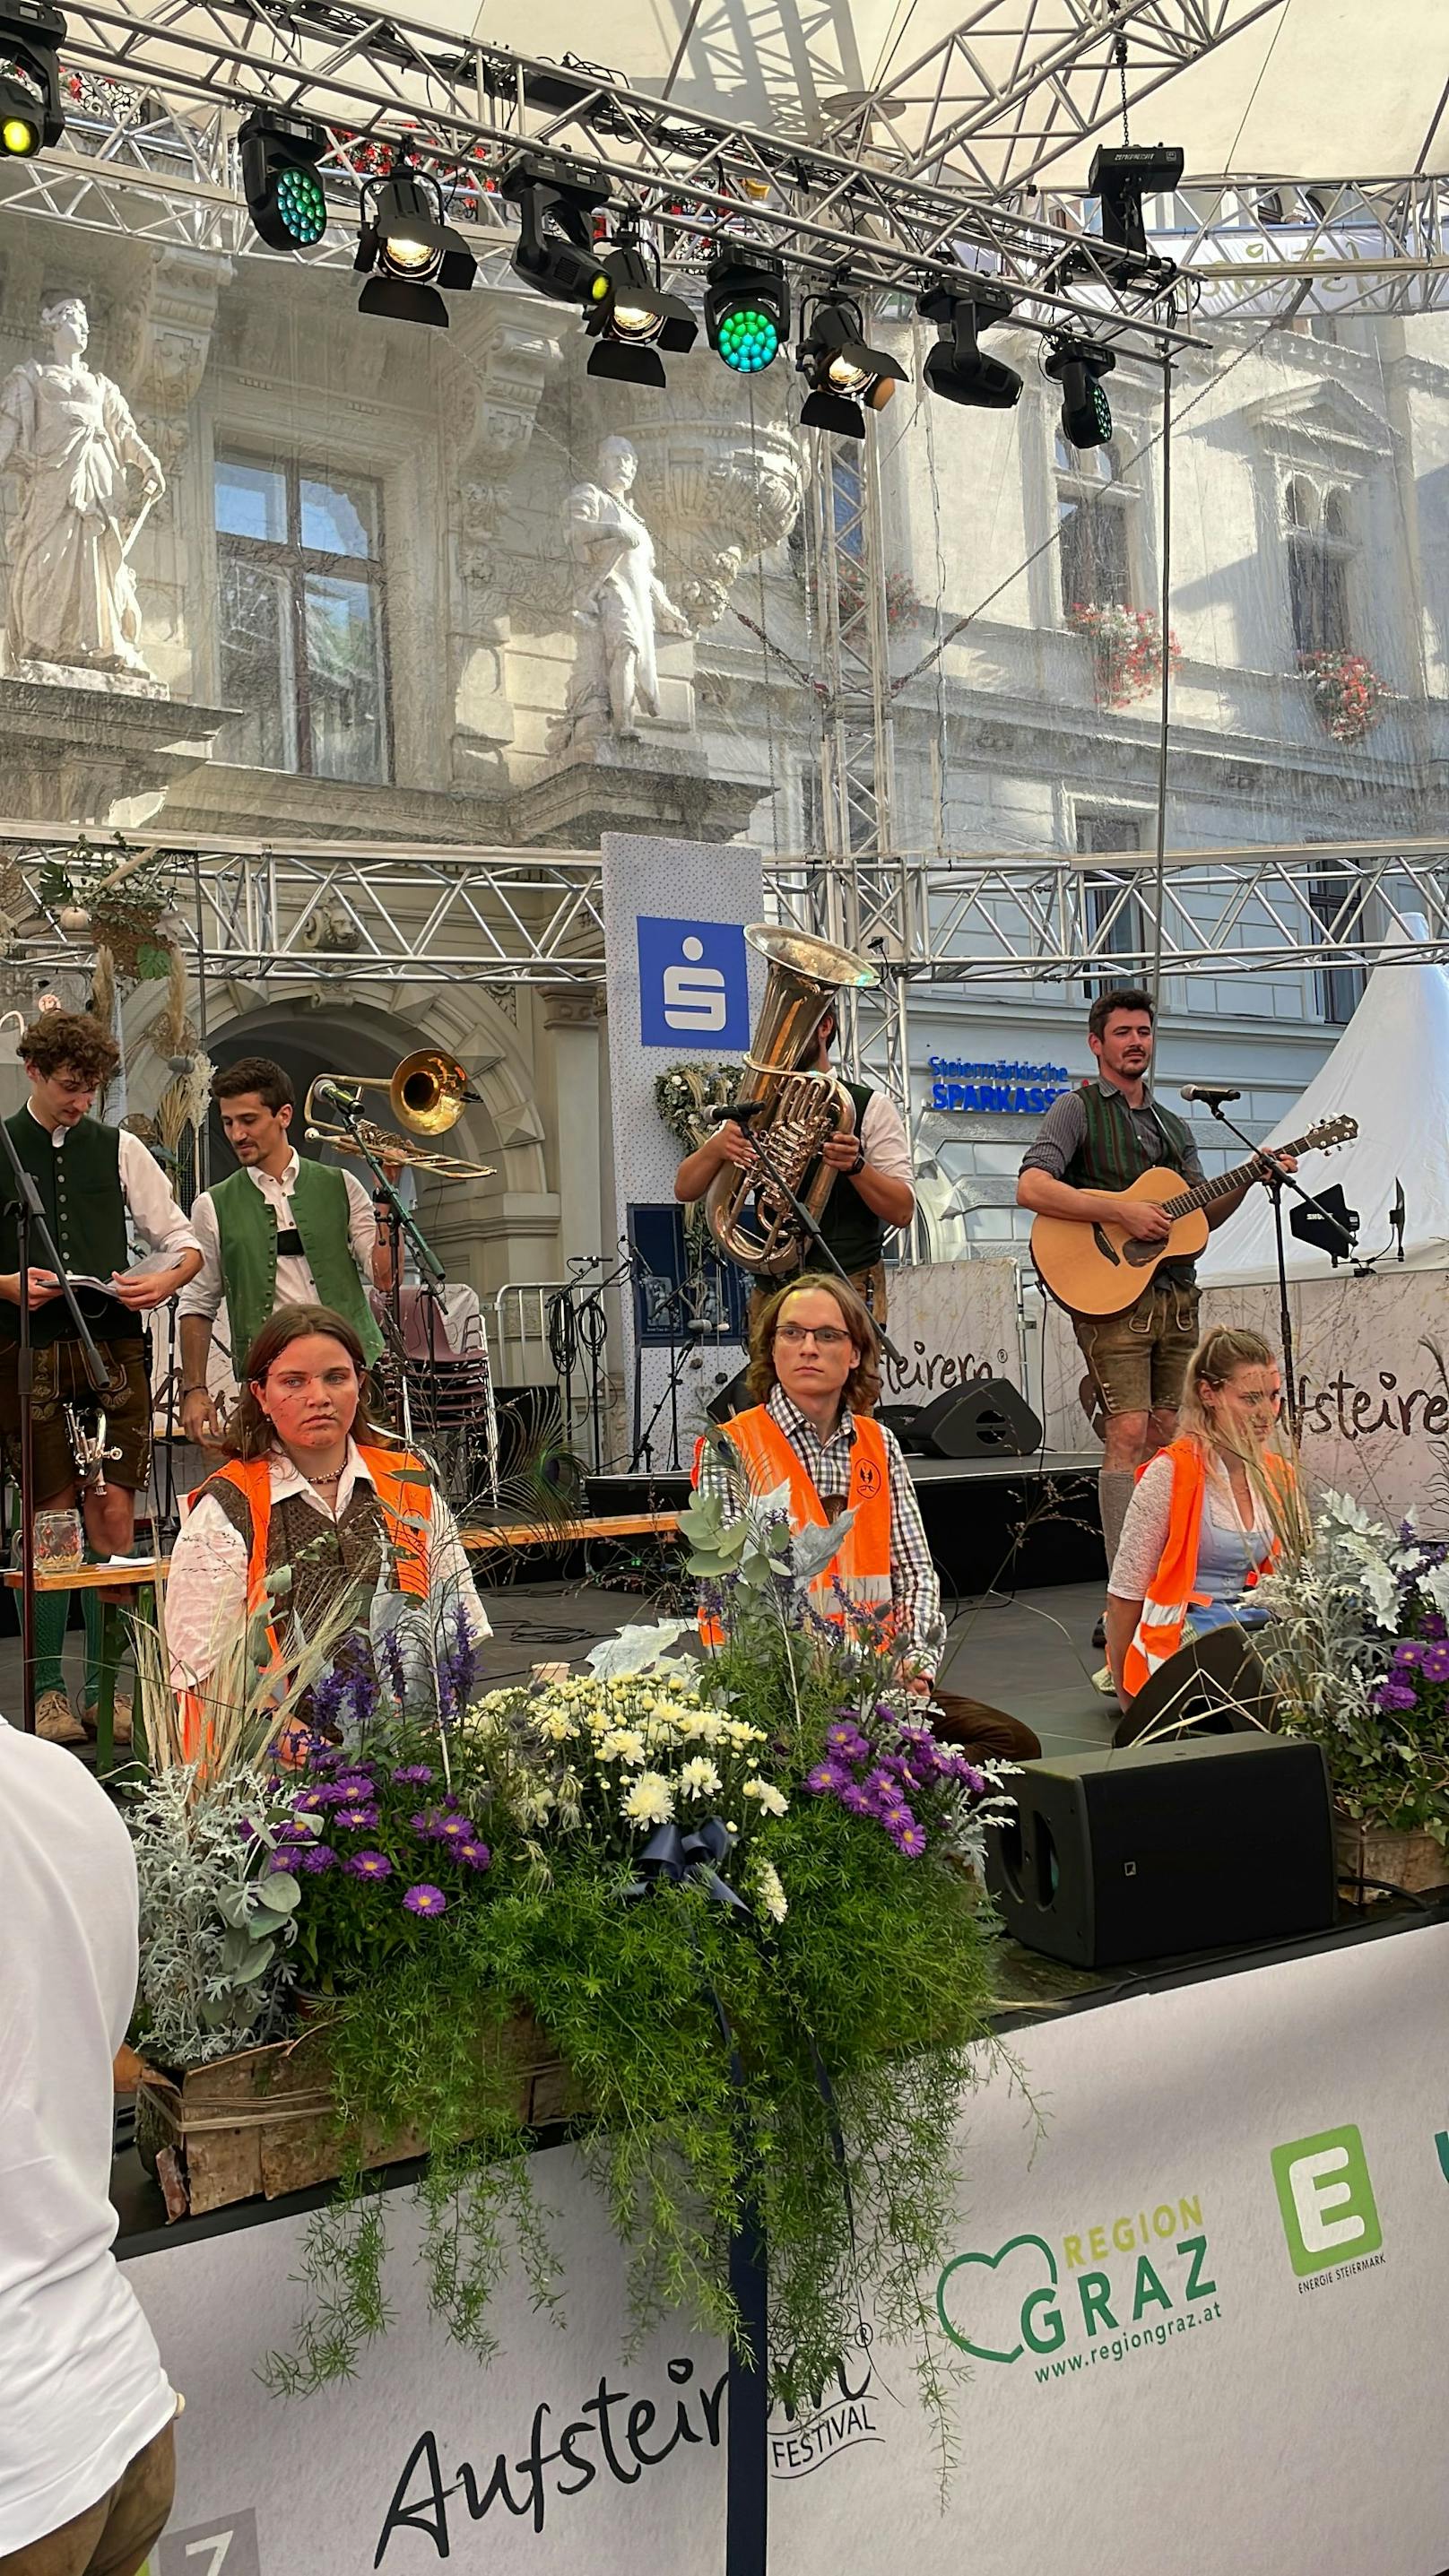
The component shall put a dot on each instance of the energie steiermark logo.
(1326, 2200)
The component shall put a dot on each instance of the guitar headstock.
(1328, 1133)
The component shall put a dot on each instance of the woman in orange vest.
(301, 1496)
(1208, 1513)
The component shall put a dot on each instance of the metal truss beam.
(354, 914)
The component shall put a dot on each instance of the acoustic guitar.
(1101, 1269)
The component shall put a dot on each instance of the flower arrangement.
(129, 918)
(685, 1093)
(902, 599)
(1358, 1646)
(1126, 649)
(1347, 692)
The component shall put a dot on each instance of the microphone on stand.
(1397, 1214)
(740, 1110)
(1211, 1094)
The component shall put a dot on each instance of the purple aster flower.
(1408, 1652)
(356, 1784)
(356, 1819)
(425, 1900)
(886, 1713)
(322, 1756)
(827, 1779)
(476, 1854)
(1394, 1695)
(845, 1739)
(881, 1785)
(910, 1839)
(428, 1821)
(1434, 1663)
(1435, 1626)
(309, 1802)
(320, 1857)
(294, 1833)
(855, 1801)
(896, 1817)
(368, 1864)
(282, 1860)
(457, 1829)
(409, 1773)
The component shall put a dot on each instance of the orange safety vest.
(406, 1496)
(858, 1576)
(1174, 1585)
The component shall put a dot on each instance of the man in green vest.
(279, 1231)
(873, 1196)
(95, 1182)
(1091, 1144)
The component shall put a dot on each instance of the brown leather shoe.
(121, 1725)
(56, 1720)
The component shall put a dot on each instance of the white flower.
(700, 1778)
(650, 1801)
(622, 1744)
(772, 1800)
(770, 1890)
(559, 1727)
(1435, 1587)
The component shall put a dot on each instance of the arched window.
(1320, 558)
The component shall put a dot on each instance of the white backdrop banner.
(951, 1321)
(1199, 2277)
(1373, 1391)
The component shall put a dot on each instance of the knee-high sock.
(51, 1612)
(1114, 1493)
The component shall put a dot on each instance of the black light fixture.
(636, 319)
(746, 310)
(957, 369)
(279, 156)
(846, 377)
(31, 114)
(1078, 366)
(409, 249)
(1121, 175)
(555, 253)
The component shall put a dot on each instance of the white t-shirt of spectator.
(82, 2389)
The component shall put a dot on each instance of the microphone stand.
(24, 1198)
(401, 1222)
(811, 1232)
(1278, 1181)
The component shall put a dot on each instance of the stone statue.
(620, 604)
(69, 434)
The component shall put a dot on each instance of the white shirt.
(883, 1135)
(82, 2389)
(150, 1206)
(206, 1588)
(295, 1283)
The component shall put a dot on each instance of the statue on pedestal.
(620, 604)
(69, 433)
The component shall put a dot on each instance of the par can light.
(846, 377)
(31, 113)
(746, 310)
(410, 251)
(284, 195)
(635, 319)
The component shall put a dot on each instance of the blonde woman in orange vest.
(814, 1373)
(1207, 1516)
(342, 1514)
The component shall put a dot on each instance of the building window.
(1112, 915)
(301, 621)
(1337, 905)
(1320, 555)
(1094, 516)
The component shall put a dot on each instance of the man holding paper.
(93, 1182)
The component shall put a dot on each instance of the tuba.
(803, 1110)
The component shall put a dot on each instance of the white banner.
(951, 1321)
(1199, 2278)
(1374, 1396)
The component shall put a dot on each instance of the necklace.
(319, 1484)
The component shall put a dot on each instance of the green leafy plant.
(215, 1923)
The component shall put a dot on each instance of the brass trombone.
(428, 1093)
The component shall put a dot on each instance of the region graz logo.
(1097, 2296)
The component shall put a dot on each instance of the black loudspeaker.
(987, 1419)
(904, 1420)
(1166, 1848)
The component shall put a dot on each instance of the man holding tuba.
(281, 1231)
(871, 1195)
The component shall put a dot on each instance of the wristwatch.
(859, 1163)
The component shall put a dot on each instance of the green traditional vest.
(853, 1231)
(80, 1191)
(1112, 1155)
(248, 1231)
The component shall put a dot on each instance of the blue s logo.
(693, 984)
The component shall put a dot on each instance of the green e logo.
(1326, 2200)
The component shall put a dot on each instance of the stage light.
(1121, 175)
(956, 368)
(635, 319)
(846, 378)
(31, 114)
(746, 310)
(410, 249)
(1078, 367)
(555, 253)
(279, 179)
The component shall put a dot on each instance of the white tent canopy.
(1390, 1071)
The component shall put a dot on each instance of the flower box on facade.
(261, 2124)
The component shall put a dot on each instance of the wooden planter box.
(1411, 1861)
(261, 2124)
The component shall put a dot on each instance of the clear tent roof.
(1295, 88)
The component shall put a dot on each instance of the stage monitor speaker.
(904, 1420)
(1165, 1848)
(987, 1419)
(732, 1398)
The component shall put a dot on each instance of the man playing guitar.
(1092, 1144)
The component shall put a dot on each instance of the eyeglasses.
(827, 1337)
